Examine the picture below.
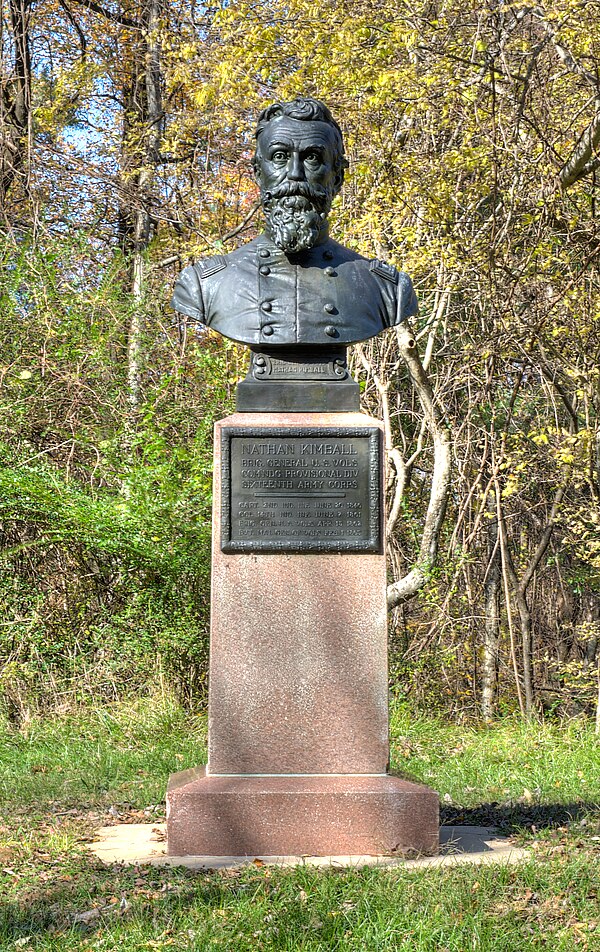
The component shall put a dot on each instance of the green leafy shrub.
(104, 514)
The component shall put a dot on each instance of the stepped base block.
(306, 815)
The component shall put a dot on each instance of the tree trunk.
(144, 134)
(491, 630)
(407, 587)
(598, 700)
(15, 104)
(526, 648)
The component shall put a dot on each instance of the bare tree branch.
(246, 221)
(76, 27)
(407, 587)
(109, 14)
(545, 538)
(583, 159)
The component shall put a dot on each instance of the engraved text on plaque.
(309, 489)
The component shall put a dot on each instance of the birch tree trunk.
(403, 589)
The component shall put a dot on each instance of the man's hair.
(306, 109)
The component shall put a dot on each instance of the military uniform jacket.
(259, 295)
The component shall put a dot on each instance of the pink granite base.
(298, 679)
(286, 815)
(298, 702)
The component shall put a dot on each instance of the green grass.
(550, 762)
(122, 752)
(60, 778)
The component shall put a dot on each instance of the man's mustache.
(316, 193)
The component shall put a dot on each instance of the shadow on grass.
(180, 903)
(51, 910)
(513, 817)
(46, 910)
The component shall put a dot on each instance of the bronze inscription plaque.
(303, 489)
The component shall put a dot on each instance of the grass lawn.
(61, 778)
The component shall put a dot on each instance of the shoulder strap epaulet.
(211, 265)
(384, 270)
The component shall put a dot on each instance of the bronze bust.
(294, 286)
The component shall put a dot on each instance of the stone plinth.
(298, 691)
(317, 816)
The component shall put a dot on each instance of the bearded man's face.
(297, 168)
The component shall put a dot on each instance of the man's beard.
(295, 213)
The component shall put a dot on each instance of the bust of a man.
(293, 285)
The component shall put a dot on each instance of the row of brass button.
(266, 306)
(265, 270)
(330, 330)
(265, 253)
(328, 308)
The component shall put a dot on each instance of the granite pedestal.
(298, 684)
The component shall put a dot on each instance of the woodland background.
(125, 138)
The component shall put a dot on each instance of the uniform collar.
(265, 243)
